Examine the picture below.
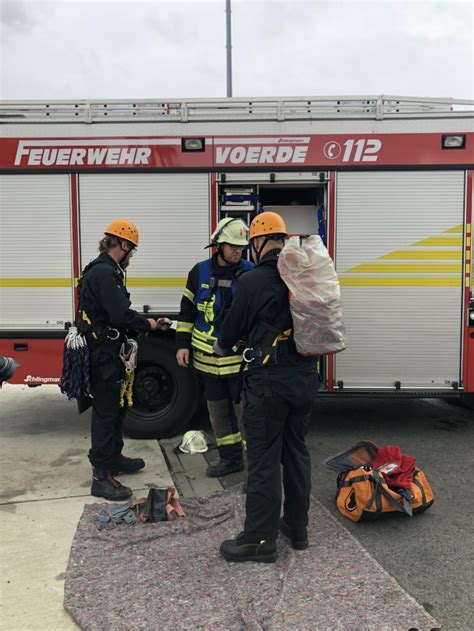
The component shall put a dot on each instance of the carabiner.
(117, 334)
(244, 355)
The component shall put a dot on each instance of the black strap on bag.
(424, 503)
(378, 482)
(358, 478)
(379, 490)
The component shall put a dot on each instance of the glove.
(74, 340)
(163, 324)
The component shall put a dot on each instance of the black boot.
(106, 486)
(224, 467)
(123, 464)
(297, 536)
(243, 548)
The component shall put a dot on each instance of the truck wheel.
(165, 396)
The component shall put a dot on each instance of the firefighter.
(279, 389)
(209, 292)
(105, 318)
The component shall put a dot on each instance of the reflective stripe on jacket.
(206, 299)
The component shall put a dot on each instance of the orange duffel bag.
(363, 493)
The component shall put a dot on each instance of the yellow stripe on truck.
(158, 281)
(409, 268)
(423, 254)
(36, 282)
(404, 281)
(443, 241)
(67, 282)
(454, 229)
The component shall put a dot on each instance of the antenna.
(228, 45)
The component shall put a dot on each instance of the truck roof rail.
(235, 109)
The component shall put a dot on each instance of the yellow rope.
(126, 392)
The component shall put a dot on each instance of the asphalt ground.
(46, 479)
(431, 555)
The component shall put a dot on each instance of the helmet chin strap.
(124, 257)
(258, 252)
(220, 252)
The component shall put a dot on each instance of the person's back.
(279, 390)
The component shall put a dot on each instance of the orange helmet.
(267, 223)
(124, 229)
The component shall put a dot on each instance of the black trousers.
(106, 373)
(278, 402)
(219, 388)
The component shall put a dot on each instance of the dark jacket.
(105, 299)
(260, 310)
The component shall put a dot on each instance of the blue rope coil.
(75, 380)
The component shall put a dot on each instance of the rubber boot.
(231, 461)
(224, 467)
(243, 548)
(106, 486)
(123, 464)
(224, 424)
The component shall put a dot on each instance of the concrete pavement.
(45, 485)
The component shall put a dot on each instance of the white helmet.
(193, 442)
(231, 230)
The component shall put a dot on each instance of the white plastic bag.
(315, 296)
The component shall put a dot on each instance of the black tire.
(165, 396)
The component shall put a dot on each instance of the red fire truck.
(386, 181)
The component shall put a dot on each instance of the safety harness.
(88, 321)
(99, 332)
(267, 353)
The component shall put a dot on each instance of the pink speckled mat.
(170, 576)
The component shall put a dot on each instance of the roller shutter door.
(399, 256)
(172, 214)
(36, 285)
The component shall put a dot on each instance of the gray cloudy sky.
(67, 49)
